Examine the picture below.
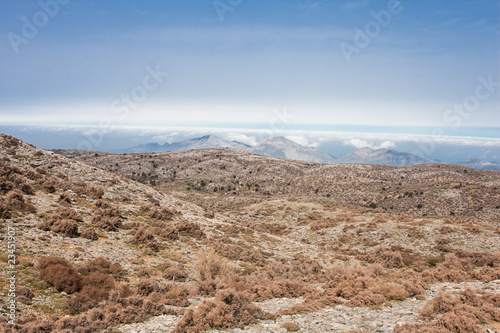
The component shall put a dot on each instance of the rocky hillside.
(225, 178)
(96, 251)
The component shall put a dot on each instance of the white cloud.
(387, 144)
(249, 140)
(359, 143)
(298, 139)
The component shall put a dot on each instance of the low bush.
(104, 266)
(68, 228)
(60, 274)
(89, 233)
(190, 229)
(146, 238)
(229, 309)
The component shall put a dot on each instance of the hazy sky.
(251, 63)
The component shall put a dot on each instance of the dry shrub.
(173, 294)
(65, 200)
(107, 223)
(290, 327)
(301, 268)
(363, 286)
(162, 213)
(229, 309)
(104, 266)
(15, 200)
(166, 231)
(235, 252)
(459, 314)
(175, 273)
(67, 213)
(89, 233)
(323, 224)
(97, 286)
(80, 303)
(210, 265)
(281, 288)
(60, 274)
(386, 257)
(63, 221)
(190, 229)
(68, 228)
(5, 212)
(50, 184)
(24, 294)
(146, 287)
(146, 238)
(278, 229)
(95, 192)
(442, 245)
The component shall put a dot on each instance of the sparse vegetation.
(307, 236)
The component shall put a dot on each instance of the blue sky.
(90, 62)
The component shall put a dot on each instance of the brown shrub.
(15, 200)
(97, 286)
(90, 233)
(104, 266)
(175, 295)
(80, 303)
(210, 265)
(67, 213)
(167, 231)
(60, 274)
(229, 309)
(301, 268)
(190, 229)
(95, 192)
(146, 238)
(148, 286)
(65, 200)
(322, 224)
(385, 257)
(107, 223)
(5, 212)
(66, 227)
(290, 327)
(24, 294)
(175, 272)
(50, 184)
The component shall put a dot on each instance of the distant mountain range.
(281, 147)
(273, 146)
(383, 156)
(480, 164)
(207, 141)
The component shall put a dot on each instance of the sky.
(418, 68)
